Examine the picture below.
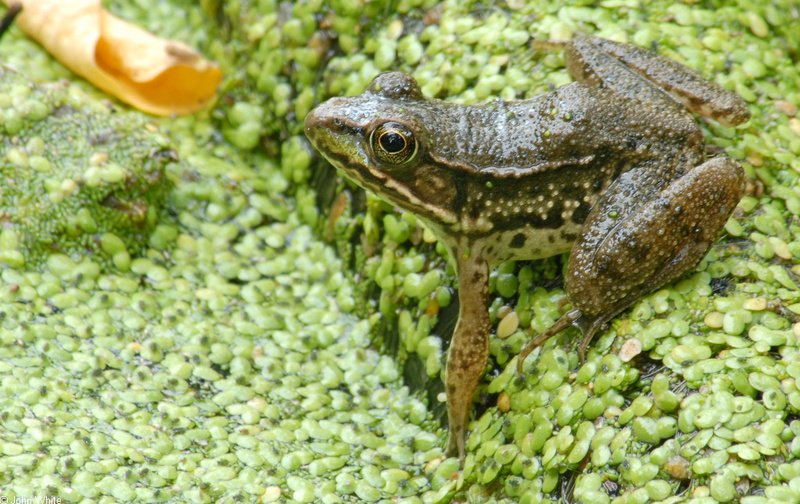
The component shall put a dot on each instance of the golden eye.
(393, 143)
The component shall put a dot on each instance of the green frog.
(611, 167)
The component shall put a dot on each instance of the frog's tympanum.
(611, 167)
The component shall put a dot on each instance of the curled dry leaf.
(158, 76)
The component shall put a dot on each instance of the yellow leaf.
(158, 76)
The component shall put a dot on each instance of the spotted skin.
(611, 167)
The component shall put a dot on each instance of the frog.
(610, 168)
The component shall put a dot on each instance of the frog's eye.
(393, 143)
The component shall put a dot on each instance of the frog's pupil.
(392, 142)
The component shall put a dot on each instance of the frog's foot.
(466, 361)
(456, 445)
(460, 383)
(565, 321)
(459, 400)
(590, 326)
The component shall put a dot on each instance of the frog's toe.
(565, 321)
(590, 326)
(457, 444)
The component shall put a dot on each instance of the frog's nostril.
(316, 121)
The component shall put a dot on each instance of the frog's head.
(380, 140)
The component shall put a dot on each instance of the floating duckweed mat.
(256, 347)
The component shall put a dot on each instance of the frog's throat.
(391, 190)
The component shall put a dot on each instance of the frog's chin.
(396, 194)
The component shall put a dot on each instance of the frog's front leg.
(625, 251)
(469, 348)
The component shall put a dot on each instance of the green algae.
(240, 358)
(77, 175)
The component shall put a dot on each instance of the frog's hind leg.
(623, 254)
(603, 62)
(697, 94)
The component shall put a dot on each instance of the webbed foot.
(565, 321)
(589, 325)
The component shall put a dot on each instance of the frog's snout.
(315, 121)
(325, 119)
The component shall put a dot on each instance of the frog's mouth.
(334, 139)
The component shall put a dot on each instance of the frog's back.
(573, 125)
